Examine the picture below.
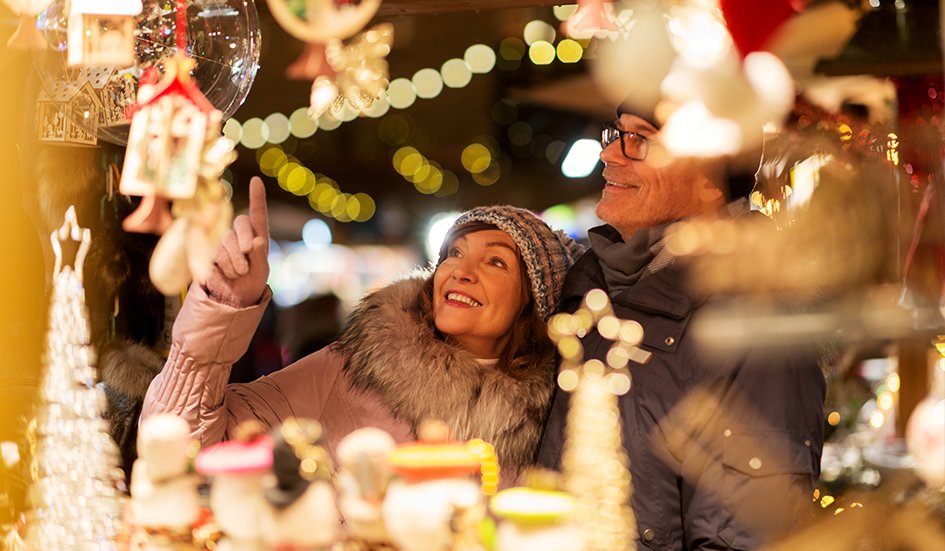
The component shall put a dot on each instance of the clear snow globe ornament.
(223, 37)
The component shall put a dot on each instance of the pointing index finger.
(258, 213)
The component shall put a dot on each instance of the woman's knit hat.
(547, 253)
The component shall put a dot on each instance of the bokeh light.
(271, 160)
(476, 158)
(393, 129)
(537, 30)
(512, 49)
(255, 133)
(581, 159)
(278, 125)
(456, 73)
(367, 207)
(328, 122)
(569, 51)
(520, 133)
(401, 93)
(564, 12)
(233, 130)
(428, 83)
(316, 234)
(488, 176)
(480, 58)
(541, 53)
(436, 231)
(300, 124)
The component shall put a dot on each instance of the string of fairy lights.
(479, 158)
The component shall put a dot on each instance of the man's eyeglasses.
(633, 145)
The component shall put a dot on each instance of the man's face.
(647, 193)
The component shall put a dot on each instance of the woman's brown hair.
(528, 343)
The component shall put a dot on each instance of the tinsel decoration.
(596, 469)
(76, 492)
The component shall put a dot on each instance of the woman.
(466, 344)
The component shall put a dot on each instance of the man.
(724, 449)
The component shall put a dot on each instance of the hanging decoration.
(358, 72)
(593, 18)
(753, 23)
(75, 460)
(354, 73)
(68, 111)
(176, 153)
(101, 32)
(594, 464)
(26, 34)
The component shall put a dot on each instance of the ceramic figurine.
(536, 517)
(237, 468)
(303, 514)
(437, 503)
(164, 502)
(362, 483)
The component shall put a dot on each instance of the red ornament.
(751, 23)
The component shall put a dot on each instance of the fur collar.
(391, 352)
(127, 367)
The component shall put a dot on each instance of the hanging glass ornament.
(222, 36)
(27, 35)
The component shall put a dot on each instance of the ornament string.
(181, 26)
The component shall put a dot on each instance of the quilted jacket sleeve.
(208, 338)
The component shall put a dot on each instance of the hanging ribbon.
(182, 26)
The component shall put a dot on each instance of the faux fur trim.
(394, 354)
(128, 367)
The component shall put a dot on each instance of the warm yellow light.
(476, 157)
(233, 130)
(569, 51)
(564, 12)
(537, 30)
(283, 175)
(401, 93)
(877, 419)
(541, 53)
(428, 83)
(834, 418)
(488, 176)
(278, 125)
(402, 154)
(300, 124)
(328, 122)
(892, 382)
(456, 73)
(255, 133)
(885, 401)
(272, 160)
(480, 58)
(368, 207)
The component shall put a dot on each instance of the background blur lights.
(480, 58)
(541, 53)
(456, 73)
(428, 83)
(582, 159)
(255, 133)
(476, 158)
(316, 233)
(569, 51)
(233, 130)
(537, 30)
(401, 93)
(278, 125)
(300, 124)
(436, 231)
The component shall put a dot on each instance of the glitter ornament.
(76, 493)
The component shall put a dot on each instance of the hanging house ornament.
(176, 153)
(101, 32)
(68, 111)
(595, 466)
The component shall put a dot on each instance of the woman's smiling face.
(478, 291)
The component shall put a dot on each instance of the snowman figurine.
(303, 513)
(536, 516)
(436, 504)
(362, 483)
(237, 468)
(164, 503)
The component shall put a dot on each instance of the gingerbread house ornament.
(101, 32)
(68, 112)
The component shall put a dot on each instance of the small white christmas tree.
(75, 496)
(595, 467)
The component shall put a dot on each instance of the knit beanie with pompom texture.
(547, 253)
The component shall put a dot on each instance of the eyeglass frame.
(622, 134)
